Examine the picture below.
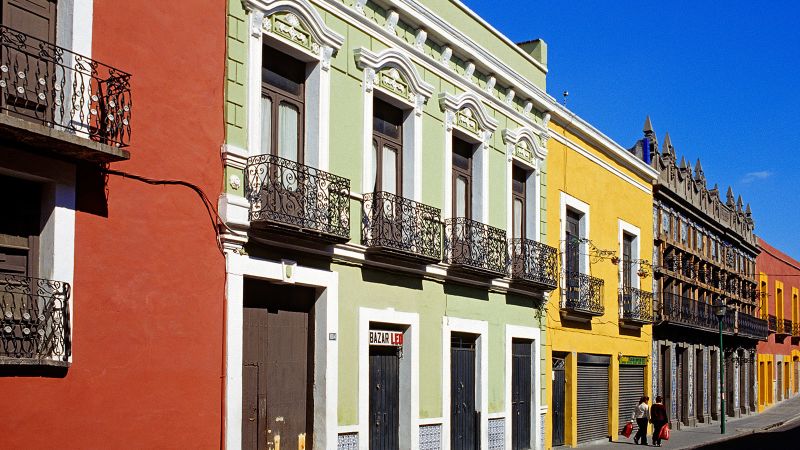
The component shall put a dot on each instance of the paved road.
(783, 418)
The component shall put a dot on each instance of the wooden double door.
(278, 367)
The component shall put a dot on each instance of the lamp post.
(719, 311)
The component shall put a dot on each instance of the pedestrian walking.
(642, 414)
(658, 416)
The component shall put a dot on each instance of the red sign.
(386, 338)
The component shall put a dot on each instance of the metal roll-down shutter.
(592, 397)
(631, 389)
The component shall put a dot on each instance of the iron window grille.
(637, 305)
(34, 321)
(288, 194)
(476, 247)
(534, 262)
(47, 84)
(583, 293)
(397, 224)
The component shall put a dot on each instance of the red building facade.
(111, 285)
(779, 303)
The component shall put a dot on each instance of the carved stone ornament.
(289, 27)
(447, 53)
(235, 182)
(391, 80)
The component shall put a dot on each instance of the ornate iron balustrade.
(60, 89)
(583, 293)
(396, 224)
(796, 329)
(34, 321)
(689, 312)
(535, 263)
(773, 323)
(751, 326)
(637, 305)
(288, 194)
(476, 247)
(784, 327)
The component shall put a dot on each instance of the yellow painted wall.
(765, 378)
(610, 198)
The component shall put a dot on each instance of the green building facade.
(384, 200)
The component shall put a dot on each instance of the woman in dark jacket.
(658, 415)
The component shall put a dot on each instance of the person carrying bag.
(658, 416)
(641, 413)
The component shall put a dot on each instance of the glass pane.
(461, 198)
(518, 209)
(373, 175)
(288, 121)
(266, 125)
(389, 170)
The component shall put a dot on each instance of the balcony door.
(284, 186)
(387, 148)
(628, 298)
(518, 202)
(462, 238)
(572, 255)
(32, 57)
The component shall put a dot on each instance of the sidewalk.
(693, 437)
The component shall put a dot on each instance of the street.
(780, 436)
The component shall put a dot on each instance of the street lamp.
(719, 311)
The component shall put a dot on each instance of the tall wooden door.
(559, 384)
(464, 426)
(384, 398)
(521, 376)
(277, 401)
(680, 379)
(699, 373)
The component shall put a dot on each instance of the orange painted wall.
(149, 279)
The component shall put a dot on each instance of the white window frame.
(481, 329)
(419, 93)
(537, 415)
(326, 354)
(628, 228)
(409, 375)
(532, 183)
(451, 105)
(570, 202)
(316, 140)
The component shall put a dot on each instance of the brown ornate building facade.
(704, 255)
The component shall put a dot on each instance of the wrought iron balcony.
(534, 263)
(583, 294)
(637, 305)
(688, 312)
(750, 326)
(783, 328)
(796, 329)
(53, 87)
(773, 323)
(397, 225)
(475, 247)
(290, 196)
(34, 321)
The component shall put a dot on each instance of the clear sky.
(722, 77)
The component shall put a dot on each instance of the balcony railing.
(59, 89)
(398, 225)
(583, 293)
(751, 326)
(796, 329)
(784, 327)
(689, 312)
(34, 321)
(534, 263)
(773, 323)
(637, 305)
(476, 247)
(292, 196)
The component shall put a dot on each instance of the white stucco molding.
(310, 20)
(452, 104)
(525, 133)
(419, 90)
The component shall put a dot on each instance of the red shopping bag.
(627, 430)
(664, 433)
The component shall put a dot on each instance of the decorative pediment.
(392, 71)
(525, 144)
(294, 21)
(466, 112)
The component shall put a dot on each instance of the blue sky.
(722, 77)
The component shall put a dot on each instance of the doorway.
(559, 384)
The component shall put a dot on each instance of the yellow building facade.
(599, 338)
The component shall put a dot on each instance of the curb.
(737, 435)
